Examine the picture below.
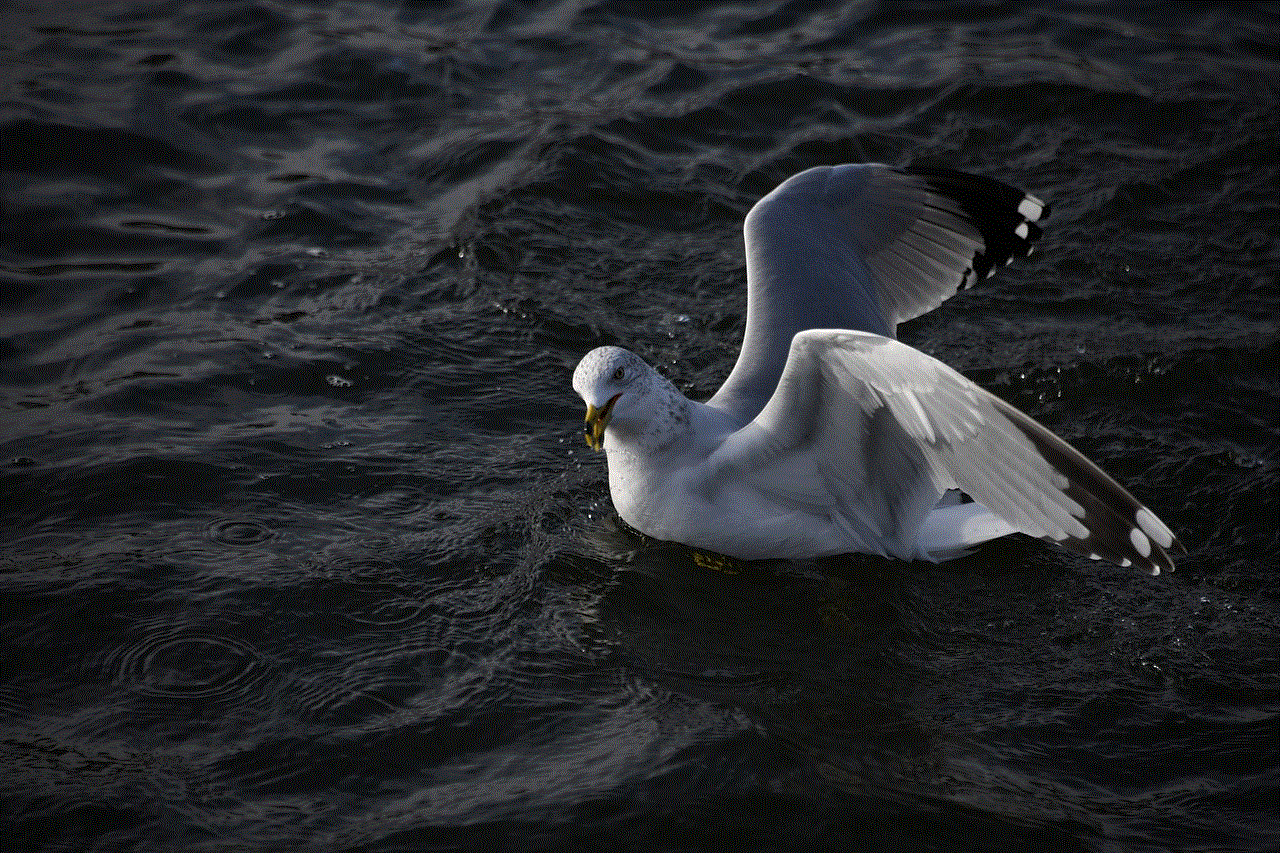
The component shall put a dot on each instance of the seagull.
(830, 436)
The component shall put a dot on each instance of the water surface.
(303, 550)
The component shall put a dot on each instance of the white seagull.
(830, 436)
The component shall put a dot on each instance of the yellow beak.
(596, 421)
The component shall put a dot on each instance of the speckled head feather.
(636, 404)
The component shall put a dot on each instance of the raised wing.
(865, 247)
(891, 428)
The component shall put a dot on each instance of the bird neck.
(663, 430)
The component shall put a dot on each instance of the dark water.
(302, 549)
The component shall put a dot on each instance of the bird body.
(830, 436)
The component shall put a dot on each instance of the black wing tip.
(1110, 537)
(1126, 545)
(1004, 215)
(1117, 527)
(1156, 562)
(1116, 530)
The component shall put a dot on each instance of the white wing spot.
(1022, 230)
(1030, 208)
(1153, 527)
(1140, 542)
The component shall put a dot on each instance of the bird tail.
(950, 531)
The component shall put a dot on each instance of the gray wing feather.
(892, 428)
(863, 247)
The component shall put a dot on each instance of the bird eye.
(618, 374)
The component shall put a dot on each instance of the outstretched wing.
(890, 428)
(865, 247)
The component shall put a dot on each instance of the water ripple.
(239, 532)
(386, 614)
(179, 664)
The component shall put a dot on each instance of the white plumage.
(831, 437)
